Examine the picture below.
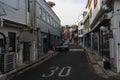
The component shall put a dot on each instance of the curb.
(3, 77)
(99, 69)
(22, 69)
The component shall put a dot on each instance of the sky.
(69, 10)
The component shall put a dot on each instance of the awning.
(26, 36)
(9, 23)
(104, 22)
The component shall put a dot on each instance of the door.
(26, 52)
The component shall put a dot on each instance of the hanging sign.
(110, 34)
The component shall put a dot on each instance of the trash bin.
(106, 63)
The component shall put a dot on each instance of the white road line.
(67, 72)
(60, 74)
(76, 50)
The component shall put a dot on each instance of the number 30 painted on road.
(60, 74)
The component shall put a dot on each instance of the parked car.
(63, 47)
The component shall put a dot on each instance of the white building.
(104, 22)
(48, 26)
(28, 30)
(13, 21)
(80, 30)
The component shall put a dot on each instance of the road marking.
(98, 69)
(105, 76)
(76, 50)
(61, 72)
(67, 72)
(52, 70)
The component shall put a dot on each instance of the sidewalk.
(97, 64)
(25, 67)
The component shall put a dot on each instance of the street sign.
(110, 34)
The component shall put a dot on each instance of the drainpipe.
(26, 7)
(1, 22)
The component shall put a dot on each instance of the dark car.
(63, 47)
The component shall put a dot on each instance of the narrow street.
(71, 65)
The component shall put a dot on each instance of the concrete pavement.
(97, 64)
(72, 65)
(21, 69)
(63, 59)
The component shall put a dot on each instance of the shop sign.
(110, 34)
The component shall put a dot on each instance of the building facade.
(13, 21)
(80, 30)
(104, 30)
(28, 30)
(47, 25)
(86, 29)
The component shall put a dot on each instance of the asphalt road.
(72, 65)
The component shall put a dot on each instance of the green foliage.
(74, 26)
(107, 9)
(51, 4)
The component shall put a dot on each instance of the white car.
(63, 47)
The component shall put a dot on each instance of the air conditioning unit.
(7, 62)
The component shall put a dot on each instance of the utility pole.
(33, 29)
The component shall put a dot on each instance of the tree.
(51, 4)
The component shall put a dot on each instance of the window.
(43, 15)
(53, 23)
(2, 45)
(1, 42)
(12, 41)
(40, 12)
(28, 5)
(95, 3)
(81, 31)
(48, 19)
(78, 32)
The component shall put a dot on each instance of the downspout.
(26, 11)
(1, 22)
